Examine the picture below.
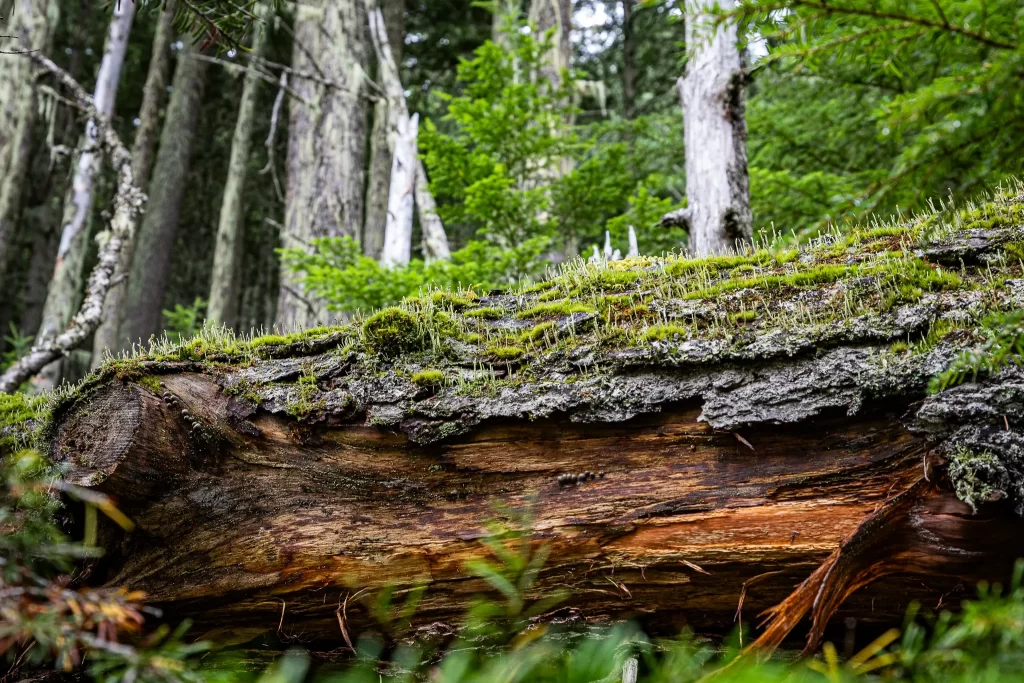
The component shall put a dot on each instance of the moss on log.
(743, 420)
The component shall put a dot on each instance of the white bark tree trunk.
(398, 230)
(223, 302)
(435, 240)
(63, 295)
(326, 141)
(382, 138)
(715, 134)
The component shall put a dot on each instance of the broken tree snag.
(683, 433)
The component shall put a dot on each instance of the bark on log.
(271, 481)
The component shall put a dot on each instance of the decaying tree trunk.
(776, 430)
(715, 131)
(396, 111)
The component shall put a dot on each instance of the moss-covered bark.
(685, 431)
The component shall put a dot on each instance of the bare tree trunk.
(326, 140)
(29, 27)
(398, 233)
(382, 139)
(503, 10)
(107, 337)
(63, 295)
(152, 258)
(546, 15)
(711, 90)
(224, 291)
(128, 201)
(435, 239)
(628, 61)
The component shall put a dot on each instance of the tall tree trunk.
(382, 138)
(30, 26)
(326, 140)
(503, 9)
(224, 290)
(107, 335)
(398, 232)
(546, 15)
(435, 239)
(151, 263)
(715, 133)
(628, 61)
(65, 291)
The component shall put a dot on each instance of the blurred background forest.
(260, 133)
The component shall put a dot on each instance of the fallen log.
(692, 440)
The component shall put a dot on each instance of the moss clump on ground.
(428, 378)
(506, 352)
(391, 332)
(977, 477)
(486, 313)
(665, 333)
(555, 309)
(21, 418)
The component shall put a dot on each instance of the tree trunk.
(326, 140)
(673, 475)
(382, 138)
(127, 203)
(556, 15)
(30, 26)
(628, 61)
(398, 233)
(715, 134)
(224, 289)
(435, 239)
(151, 263)
(107, 337)
(65, 291)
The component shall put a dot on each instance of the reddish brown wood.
(261, 513)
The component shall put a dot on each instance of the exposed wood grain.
(252, 509)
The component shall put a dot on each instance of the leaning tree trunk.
(227, 255)
(106, 338)
(65, 291)
(715, 135)
(151, 261)
(776, 429)
(382, 136)
(29, 28)
(326, 140)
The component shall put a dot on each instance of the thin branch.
(896, 16)
(128, 202)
